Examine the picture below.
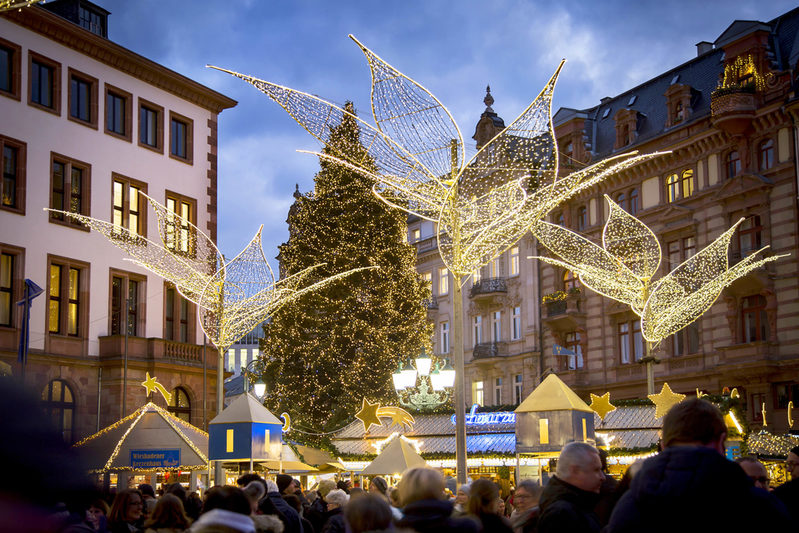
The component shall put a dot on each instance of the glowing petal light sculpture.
(624, 269)
(482, 207)
(8, 5)
(232, 297)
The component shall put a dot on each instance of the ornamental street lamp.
(432, 388)
(259, 387)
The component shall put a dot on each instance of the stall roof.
(245, 408)
(396, 458)
(149, 429)
(553, 395)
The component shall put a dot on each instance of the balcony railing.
(488, 286)
(423, 245)
(733, 108)
(490, 349)
(431, 303)
(156, 349)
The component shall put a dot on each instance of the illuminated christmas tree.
(340, 345)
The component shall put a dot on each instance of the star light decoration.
(601, 405)
(665, 400)
(151, 384)
(370, 414)
(233, 297)
(624, 269)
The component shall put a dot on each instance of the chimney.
(703, 47)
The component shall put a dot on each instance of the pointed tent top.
(553, 395)
(396, 457)
(245, 408)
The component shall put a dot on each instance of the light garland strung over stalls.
(232, 297)
(482, 206)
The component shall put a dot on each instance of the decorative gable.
(678, 104)
(626, 127)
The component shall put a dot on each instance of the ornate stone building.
(87, 124)
(728, 117)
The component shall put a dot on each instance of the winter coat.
(289, 516)
(565, 507)
(335, 521)
(695, 489)
(493, 523)
(434, 516)
(788, 494)
(317, 514)
(525, 522)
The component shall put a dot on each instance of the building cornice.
(109, 53)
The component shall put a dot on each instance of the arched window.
(679, 113)
(59, 405)
(687, 183)
(620, 201)
(634, 202)
(750, 235)
(582, 218)
(733, 164)
(766, 154)
(180, 406)
(673, 187)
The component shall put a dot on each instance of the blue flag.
(557, 349)
(31, 291)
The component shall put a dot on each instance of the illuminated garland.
(9, 5)
(743, 66)
(624, 268)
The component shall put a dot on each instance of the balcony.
(733, 108)
(423, 245)
(156, 349)
(431, 303)
(563, 308)
(488, 288)
(487, 350)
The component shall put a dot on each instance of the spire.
(297, 193)
(488, 100)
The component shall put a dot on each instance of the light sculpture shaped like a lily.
(624, 269)
(415, 154)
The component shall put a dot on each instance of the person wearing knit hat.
(283, 481)
(378, 485)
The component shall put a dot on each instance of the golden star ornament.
(665, 400)
(368, 414)
(601, 404)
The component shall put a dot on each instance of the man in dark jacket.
(691, 486)
(788, 492)
(568, 500)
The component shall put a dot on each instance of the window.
(518, 388)
(443, 281)
(44, 81)
(128, 295)
(750, 235)
(118, 109)
(69, 189)
(733, 164)
(672, 188)
(516, 329)
(92, 20)
(478, 395)
(569, 281)
(82, 98)
(757, 400)
(559, 219)
(634, 205)
(180, 137)
(8, 297)
(180, 406)
(151, 126)
(428, 277)
(10, 59)
(786, 392)
(416, 234)
(12, 161)
(68, 287)
(621, 201)
(493, 268)
(766, 154)
(59, 406)
(679, 251)
(498, 391)
(687, 183)
(582, 218)
(230, 359)
(477, 275)
(128, 207)
(679, 113)
(631, 342)
(179, 230)
(496, 326)
(445, 337)
(686, 341)
(178, 316)
(754, 318)
(514, 261)
(680, 186)
(573, 362)
(478, 330)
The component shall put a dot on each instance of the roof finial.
(488, 100)
(297, 193)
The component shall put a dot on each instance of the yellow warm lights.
(623, 269)
(665, 400)
(601, 405)
(8, 5)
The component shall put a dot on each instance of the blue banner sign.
(473, 418)
(155, 458)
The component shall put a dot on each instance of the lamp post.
(431, 390)
(259, 387)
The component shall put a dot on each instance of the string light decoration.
(10, 5)
(379, 445)
(416, 155)
(601, 405)
(133, 419)
(370, 414)
(624, 269)
(665, 400)
(151, 384)
(232, 296)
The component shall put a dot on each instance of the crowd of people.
(688, 486)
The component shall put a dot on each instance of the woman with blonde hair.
(426, 511)
(168, 516)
